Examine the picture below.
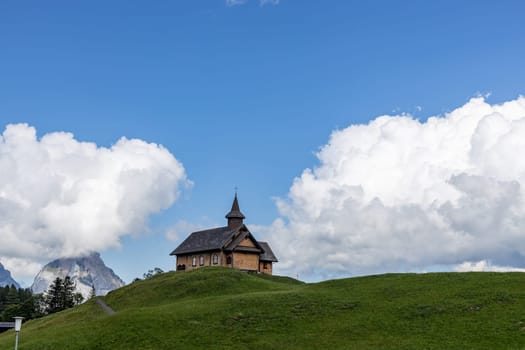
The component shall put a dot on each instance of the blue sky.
(244, 95)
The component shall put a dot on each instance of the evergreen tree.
(3, 297)
(24, 294)
(78, 298)
(39, 302)
(93, 292)
(12, 296)
(68, 292)
(19, 302)
(54, 298)
(61, 295)
(151, 273)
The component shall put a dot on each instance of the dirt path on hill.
(105, 307)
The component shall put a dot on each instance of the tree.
(54, 296)
(78, 298)
(12, 296)
(19, 302)
(151, 273)
(93, 292)
(68, 293)
(61, 295)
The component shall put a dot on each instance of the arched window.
(215, 259)
(201, 260)
(229, 260)
(194, 261)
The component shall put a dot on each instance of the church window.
(229, 260)
(201, 260)
(194, 261)
(215, 259)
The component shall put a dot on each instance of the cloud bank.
(60, 197)
(485, 266)
(398, 194)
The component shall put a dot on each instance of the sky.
(362, 136)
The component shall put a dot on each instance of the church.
(229, 246)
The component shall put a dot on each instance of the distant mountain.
(5, 278)
(85, 272)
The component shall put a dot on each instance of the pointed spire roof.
(235, 212)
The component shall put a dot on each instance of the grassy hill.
(218, 308)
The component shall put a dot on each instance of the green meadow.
(217, 308)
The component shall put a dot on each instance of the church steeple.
(235, 217)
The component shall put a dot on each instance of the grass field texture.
(218, 308)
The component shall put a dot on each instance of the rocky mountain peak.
(86, 272)
(6, 279)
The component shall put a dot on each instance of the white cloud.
(22, 270)
(398, 194)
(485, 266)
(61, 197)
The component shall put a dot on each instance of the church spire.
(235, 217)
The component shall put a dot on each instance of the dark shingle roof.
(200, 241)
(235, 212)
(268, 254)
(217, 238)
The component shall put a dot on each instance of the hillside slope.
(219, 308)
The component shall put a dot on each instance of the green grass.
(217, 308)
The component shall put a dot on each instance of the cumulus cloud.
(398, 194)
(485, 266)
(60, 197)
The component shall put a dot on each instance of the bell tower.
(235, 217)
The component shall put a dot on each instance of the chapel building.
(229, 246)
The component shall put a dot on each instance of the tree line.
(18, 302)
(59, 296)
